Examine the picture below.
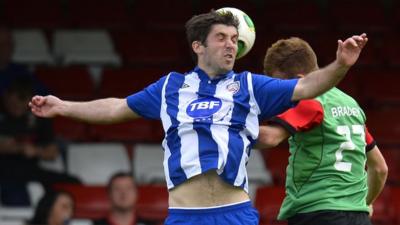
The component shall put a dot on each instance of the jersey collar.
(204, 77)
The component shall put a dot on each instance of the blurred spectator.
(55, 208)
(122, 193)
(9, 70)
(24, 139)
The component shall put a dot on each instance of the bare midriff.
(206, 190)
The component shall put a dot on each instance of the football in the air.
(247, 31)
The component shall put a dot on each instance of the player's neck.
(211, 72)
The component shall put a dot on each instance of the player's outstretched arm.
(321, 80)
(102, 111)
(377, 174)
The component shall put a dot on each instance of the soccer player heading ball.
(211, 119)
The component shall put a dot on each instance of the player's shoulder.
(177, 75)
(246, 73)
(173, 75)
(255, 77)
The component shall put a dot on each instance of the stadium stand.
(133, 45)
(71, 130)
(128, 80)
(147, 163)
(383, 125)
(349, 18)
(139, 130)
(90, 201)
(84, 47)
(44, 14)
(106, 14)
(105, 159)
(152, 203)
(382, 213)
(63, 82)
(31, 47)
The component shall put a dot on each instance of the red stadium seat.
(139, 130)
(394, 200)
(325, 46)
(152, 202)
(295, 16)
(383, 125)
(351, 85)
(369, 56)
(392, 158)
(268, 202)
(69, 129)
(98, 14)
(383, 207)
(389, 49)
(124, 82)
(351, 18)
(154, 15)
(151, 48)
(379, 87)
(73, 83)
(46, 14)
(91, 202)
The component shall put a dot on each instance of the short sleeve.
(273, 96)
(304, 117)
(147, 103)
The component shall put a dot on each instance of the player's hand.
(349, 50)
(46, 106)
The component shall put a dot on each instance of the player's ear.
(197, 47)
(300, 75)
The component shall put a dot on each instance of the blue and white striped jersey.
(211, 124)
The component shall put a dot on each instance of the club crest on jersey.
(202, 109)
(233, 87)
(185, 85)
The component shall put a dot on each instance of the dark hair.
(199, 26)
(116, 176)
(290, 57)
(43, 208)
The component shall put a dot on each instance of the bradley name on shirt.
(345, 111)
